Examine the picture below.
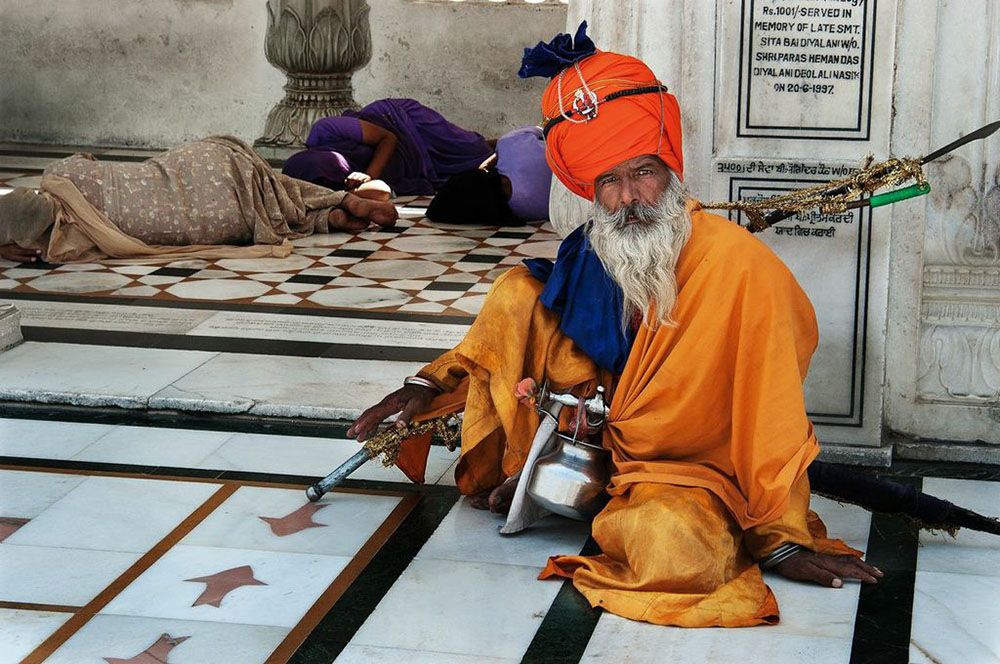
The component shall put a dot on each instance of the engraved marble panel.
(407, 334)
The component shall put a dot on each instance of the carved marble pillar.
(318, 44)
(943, 341)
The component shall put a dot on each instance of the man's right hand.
(409, 401)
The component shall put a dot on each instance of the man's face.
(642, 180)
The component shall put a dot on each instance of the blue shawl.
(579, 289)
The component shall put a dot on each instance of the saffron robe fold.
(707, 430)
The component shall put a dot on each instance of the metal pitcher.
(571, 480)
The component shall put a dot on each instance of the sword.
(319, 489)
(772, 218)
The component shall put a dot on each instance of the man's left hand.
(827, 570)
(356, 214)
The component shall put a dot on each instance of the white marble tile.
(271, 277)
(80, 267)
(158, 279)
(311, 457)
(114, 514)
(412, 268)
(448, 477)
(218, 289)
(289, 263)
(440, 295)
(811, 610)
(23, 631)
(38, 439)
(547, 249)
(408, 284)
(461, 277)
(137, 291)
(346, 521)
(616, 639)
(124, 637)
(216, 274)
(970, 551)
(332, 329)
(433, 244)
(9, 284)
(25, 494)
(471, 535)
(976, 495)
(291, 584)
(360, 297)
(79, 282)
(284, 298)
(286, 386)
(322, 240)
(955, 618)
(469, 303)
(325, 271)
(296, 287)
(843, 521)
(190, 264)
(85, 316)
(498, 609)
(58, 575)
(376, 655)
(423, 307)
(92, 375)
(153, 447)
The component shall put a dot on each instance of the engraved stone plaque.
(806, 68)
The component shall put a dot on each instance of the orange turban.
(626, 127)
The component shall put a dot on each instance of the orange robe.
(707, 430)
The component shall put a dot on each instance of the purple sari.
(429, 149)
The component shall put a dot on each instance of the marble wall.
(151, 74)
(783, 94)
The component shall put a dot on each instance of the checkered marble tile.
(416, 266)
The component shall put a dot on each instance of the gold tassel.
(870, 178)
(388, 442)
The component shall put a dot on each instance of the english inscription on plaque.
(829, 255)
(806, 69)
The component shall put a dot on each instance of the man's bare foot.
(497, 499)
(502, 496)
(481, 500)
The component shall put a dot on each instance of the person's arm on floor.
(785, 543)
(384, 143)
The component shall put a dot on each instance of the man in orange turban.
(702, 338)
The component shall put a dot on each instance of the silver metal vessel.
(570, 481)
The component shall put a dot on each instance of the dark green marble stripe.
(885, 609)
(566, 629)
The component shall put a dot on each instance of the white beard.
(642, 256)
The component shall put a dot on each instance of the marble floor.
(159, 424)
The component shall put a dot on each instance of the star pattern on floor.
(9, 525)
(157, 653)
(218, 585)
(296, 521)
(415, 266)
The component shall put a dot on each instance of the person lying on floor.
(211, 198)
(508, 189)
(413, 148)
